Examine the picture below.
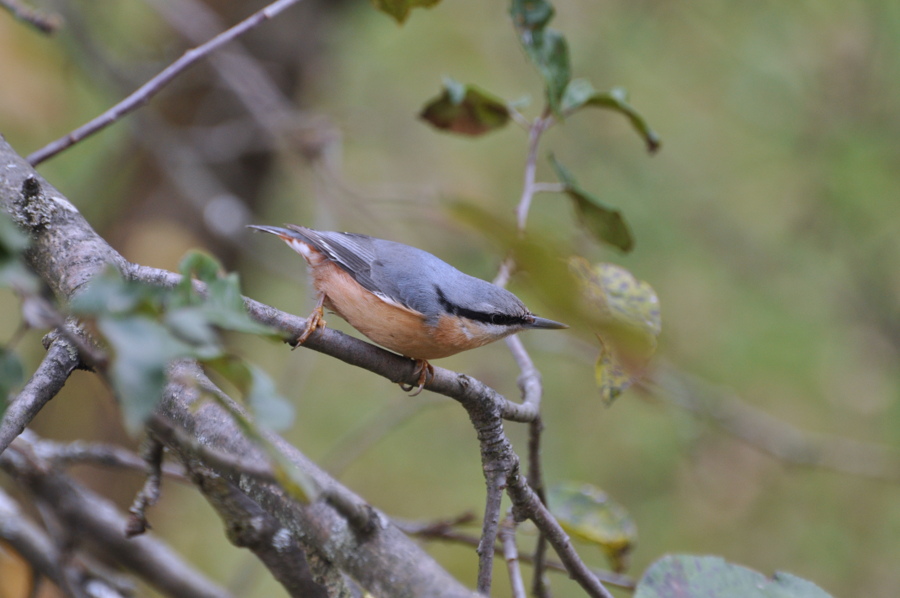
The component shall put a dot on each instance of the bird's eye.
(503, 319)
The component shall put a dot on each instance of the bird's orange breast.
(389, 324)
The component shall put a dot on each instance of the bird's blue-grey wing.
(376, 264)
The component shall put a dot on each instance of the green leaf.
(147, 327)
(13, 273)
(611, 376)
(192, 326)
(606, 223)
(12, 240)
(12, 375)
(268, 406)
(588, 514)
(685, 576)
(223, 306)
(531, 15)
(400, 9)
(546, 48)
(109, 294)
(466, 110)
(580, 93)
(199, 265)
(624, 312)
(143, 349)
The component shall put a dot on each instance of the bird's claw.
(425, 373)
(315, 321)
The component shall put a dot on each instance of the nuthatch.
(403, 298)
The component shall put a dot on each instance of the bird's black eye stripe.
(495, 318)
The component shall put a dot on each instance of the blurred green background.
(769, 225)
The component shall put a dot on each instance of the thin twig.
(44, 23)
(530, 378)
(534, 137)
(102, 454)
(518, 117)
(444, 530)
(47, 559)
(536, 481)
(530, 384)
(99, 524)
(496, 462)
(490, 435)
(511, 555)
(527, 504)
(59, 362)
(152, 87)
(149, 493)
(170, 434)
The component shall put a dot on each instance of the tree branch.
(152, 87)
(511, 556)
(100, 524)
(98, 453)
(59, 362)
(43, 23)
(526, 504)
(67, 253)
(247, 525)
(33, 544)
(379, 561)
(444, 530)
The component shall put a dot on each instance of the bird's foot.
(315, 321)
(425, 373)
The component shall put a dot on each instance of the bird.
(404, 298)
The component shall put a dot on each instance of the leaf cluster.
(147, 327)
(471, 111)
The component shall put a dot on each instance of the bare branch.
(241, 72)
(44, 23)
(248, 525)
(445, 530)
(33, 544)
(59, 362)
(233, 465)
(527, 504)
(98, 453)
(511, 555)
(149, 494)
(530, 378)
(379, 560)
(98, 521)
(152, 87)
(67, 254)
(536, 481)
(537, 129)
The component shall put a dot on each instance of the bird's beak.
(537, 322)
